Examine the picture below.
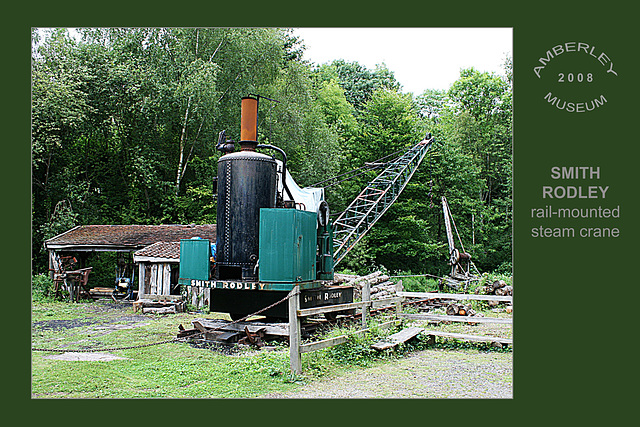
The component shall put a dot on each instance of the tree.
(431, 104)
(125, 120)
(297, 124)
(476, 126)
(359, 83)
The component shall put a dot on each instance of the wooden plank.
(102, 289)
(270, 329)
(101, 292)
(225, 336)
(166, 279)
(147, 280)
(206, 297)
(159, 310)
(154, 280)
(328, 309)
(466, 319)
(295, 359)
(397, 338)
(469, 337)
(153, 297)
(462, 297)
(186, 332)
(330, 342)
(141, 277)
(385, 302)
(199, 326)
(366, 298)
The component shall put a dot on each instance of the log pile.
(498, 287)
(455, 309)
(379, 284)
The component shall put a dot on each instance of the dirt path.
(425, 374)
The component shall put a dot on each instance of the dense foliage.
(125, 121)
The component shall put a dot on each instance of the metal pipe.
(284, 164)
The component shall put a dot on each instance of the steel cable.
(166, 341)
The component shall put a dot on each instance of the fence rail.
(464, 319)
(296, 348)
(461, 297)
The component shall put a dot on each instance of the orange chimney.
(249, 124)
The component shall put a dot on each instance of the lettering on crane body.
(240, 286)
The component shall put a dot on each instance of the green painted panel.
(194, 259)
(287, 248)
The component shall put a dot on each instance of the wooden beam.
(140, 279)
(328, 309)
(385, 302)
(366, 298)
(397, 338)
(154, 280)
(239, 327)
(155, 297)
(151, 259)
(469, 337)
(330, 342)
(462, 297)
(295, 358)
(466, 319)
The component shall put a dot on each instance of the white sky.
(420, 58)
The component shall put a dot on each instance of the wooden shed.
(158, 273)
(158, 269)
(155, 247)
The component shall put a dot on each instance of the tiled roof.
(127, 236)
(167, 250)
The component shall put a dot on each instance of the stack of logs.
(455, 309)
(379, 283)
(500, 288)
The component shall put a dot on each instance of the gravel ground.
(425, 374)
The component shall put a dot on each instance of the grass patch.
(167, 370)
(178, 369)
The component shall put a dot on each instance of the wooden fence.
(296, 348)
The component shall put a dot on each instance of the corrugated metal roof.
(127, 236)
(166, 250)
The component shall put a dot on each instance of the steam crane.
(273, 235)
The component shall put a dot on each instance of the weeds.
(452, 344)
(42, 288)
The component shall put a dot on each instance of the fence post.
(399, 288)
(366, 299)
(294, 331)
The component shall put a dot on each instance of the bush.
(41, 287)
